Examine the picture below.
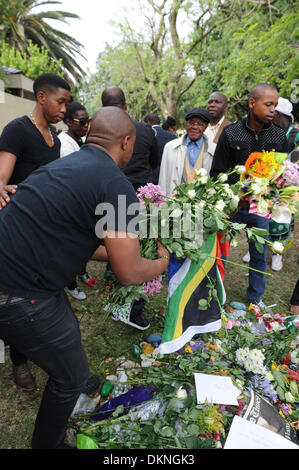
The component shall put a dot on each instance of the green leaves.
(86, 442)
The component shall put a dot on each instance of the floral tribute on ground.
(154, 404)
(160, 410)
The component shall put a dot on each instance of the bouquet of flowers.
(182, 223)
(271, 184)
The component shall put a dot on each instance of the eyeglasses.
(201, 125)
(82, 121)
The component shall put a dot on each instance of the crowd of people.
(50, 186)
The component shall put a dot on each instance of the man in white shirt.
(217, 105)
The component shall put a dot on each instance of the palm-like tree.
(20, 24)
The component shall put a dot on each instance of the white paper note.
(216, 389)
(244, 434)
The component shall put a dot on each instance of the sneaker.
(263, 306)
(77, 293)
(23, 377)
(246, 258)
(139, 322)
(276, 262)
(90, 281)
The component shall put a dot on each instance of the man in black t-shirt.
(61, 207)
(139, 171)
(26, 144)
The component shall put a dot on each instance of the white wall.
(12, 107)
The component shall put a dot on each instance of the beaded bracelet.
(164, 256)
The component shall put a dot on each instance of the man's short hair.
(258, 90)
(113, 96)
(71, 110)
(48, 82)
(152, 118)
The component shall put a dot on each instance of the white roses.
(277, 247)
(252, 360)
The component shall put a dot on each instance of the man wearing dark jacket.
(145, 154)
(254, 133)
(139, 171)
(162, 137)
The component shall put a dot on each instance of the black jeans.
(74, 284)
(47, 332)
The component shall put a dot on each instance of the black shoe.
(91, 385)
(138, 321)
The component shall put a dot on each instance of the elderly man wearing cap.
(183, 156)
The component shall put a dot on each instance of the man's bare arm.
(100, 254)
(124, 255)
(7, 164)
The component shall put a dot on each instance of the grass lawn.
(110, 339)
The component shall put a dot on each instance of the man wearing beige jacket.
(183, 156)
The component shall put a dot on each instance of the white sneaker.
(276, 262)
(77, 293)
(263, 306)
(246, 258)
(85, 278)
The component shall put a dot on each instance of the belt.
(6, 299)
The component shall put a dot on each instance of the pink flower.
(152, 193)
(291, 172)
(153, 287)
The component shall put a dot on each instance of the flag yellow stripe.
(189, 289)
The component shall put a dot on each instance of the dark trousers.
(74, 284)
(47, 332)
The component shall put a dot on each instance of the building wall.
(12, 107)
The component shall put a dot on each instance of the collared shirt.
(211, 131)
(193, 150)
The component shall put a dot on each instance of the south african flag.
(187, 284)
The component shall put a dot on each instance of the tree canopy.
(188, 49)
(22, 25)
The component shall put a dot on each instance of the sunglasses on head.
(82, 121)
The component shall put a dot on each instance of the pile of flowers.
(272, 321)
(264, 364)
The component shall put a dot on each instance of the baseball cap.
(285, 107)
(198, 112)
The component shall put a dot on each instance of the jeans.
(257, 281)
(47, 332)
(73, 285)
